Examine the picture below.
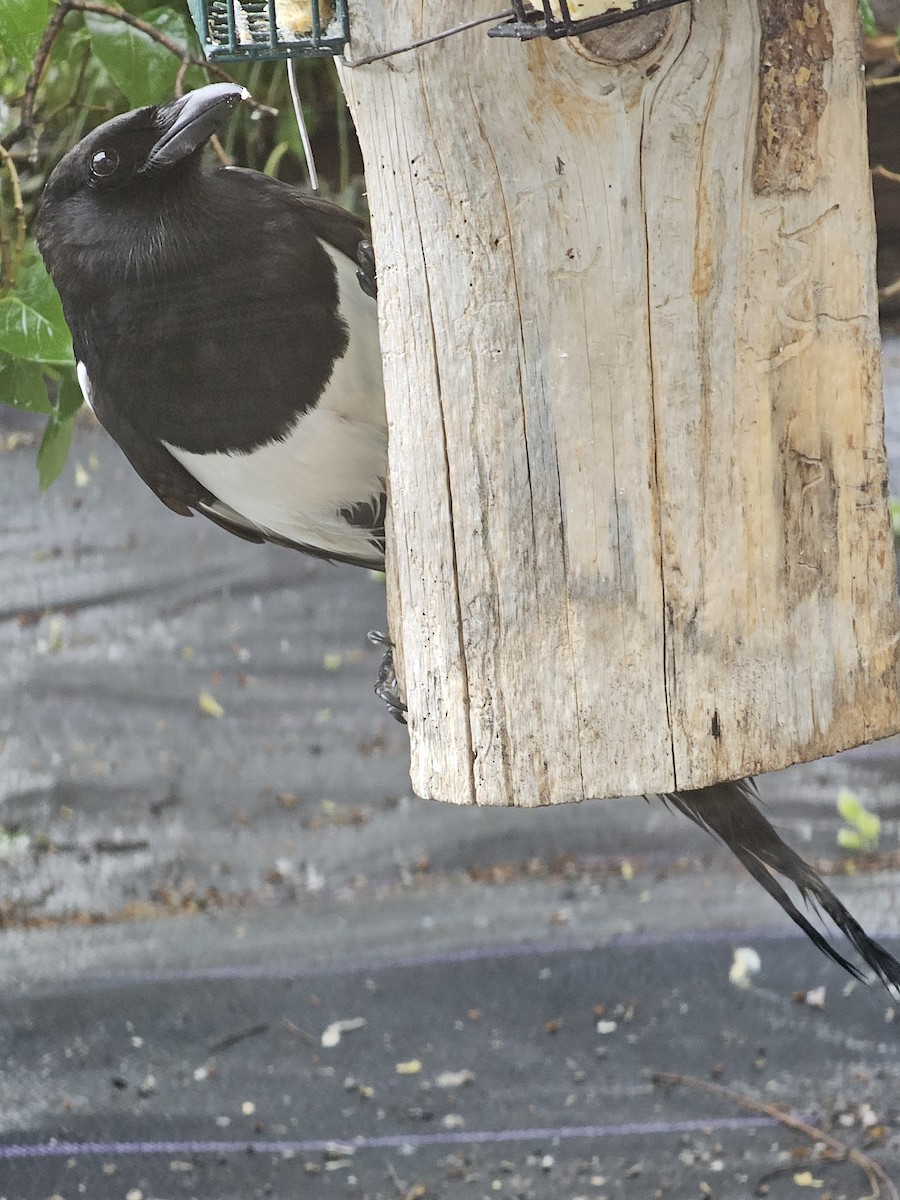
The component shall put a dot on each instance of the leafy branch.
(11, 248)
(36, 365)
(27, 118)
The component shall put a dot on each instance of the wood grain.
(639, 534)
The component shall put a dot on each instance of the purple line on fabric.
(389, 1141)
(351, 965)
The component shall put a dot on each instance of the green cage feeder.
(250, 30)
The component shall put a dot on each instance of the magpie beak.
(187, 124)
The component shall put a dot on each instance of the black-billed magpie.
(220, 331)
(226, 337)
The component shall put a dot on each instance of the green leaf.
(895, 515)
(21, 26)
(32, 325)
(849, 806)
(141, 68)
(866, 825)
(274, 159)
(286, 128)
(69, 399)
(867, 19)
(849, 839)
(54, 449)
(22, 386)
(869, 825)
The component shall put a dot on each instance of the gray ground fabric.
(189, 902)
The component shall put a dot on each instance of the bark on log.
(639, 536)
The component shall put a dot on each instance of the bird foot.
(386, 686)
(365, 273)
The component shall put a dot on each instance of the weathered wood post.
(639, 535)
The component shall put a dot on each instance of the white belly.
(296, 488)
(334, 457)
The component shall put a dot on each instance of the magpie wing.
(328, 221)
(162, 473)
(177, 488)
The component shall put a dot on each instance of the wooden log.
(639, 534)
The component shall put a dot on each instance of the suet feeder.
(638, 534)
(249, 30)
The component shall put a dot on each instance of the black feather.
(729, 811)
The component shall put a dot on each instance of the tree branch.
(29, 96)
(881, 1185)
(11, 255)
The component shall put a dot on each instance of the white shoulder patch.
(85, 384)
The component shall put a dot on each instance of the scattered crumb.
(745, 964)
(411, 1067)
(454, 1079)
(805, 1179)
(815, 997)
(333, 1033)
(209, 705)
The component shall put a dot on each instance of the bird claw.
(387, 688)
(366, 274)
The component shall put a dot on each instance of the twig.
(73, 100)
(396, 1180)
(307, 1037)
(29, 95)
(404, 1192)
(119, 14)
(111, 846)
(873, 1171)
(11, 255)
(179, 78)
(882, 81)
(234, 1039)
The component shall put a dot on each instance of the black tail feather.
(729, 811)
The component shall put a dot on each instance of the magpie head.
(129, 169)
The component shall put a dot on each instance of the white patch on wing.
(85, 384)
(334, 457)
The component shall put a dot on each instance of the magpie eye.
(104, 163)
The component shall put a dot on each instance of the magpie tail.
(729, 811)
